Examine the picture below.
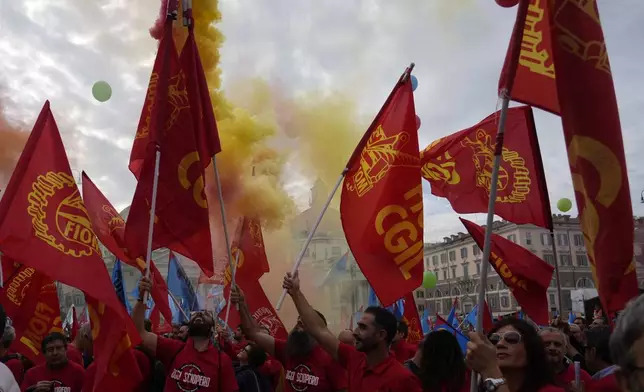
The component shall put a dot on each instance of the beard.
(201, 330)
(299, 344)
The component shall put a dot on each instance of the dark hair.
(385, 320)
(52, 337)
(256, 356)
(147, 324)
(442, 367)
(403, 329)
(599, 339)
(538, 372)
(583, 320)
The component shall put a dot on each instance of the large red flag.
(44, 225)
(526, 275)
(382, 199)
(31, 301)
(166, 125)
(529, 72)
(411, 318)
(459, 168)
(199, 95)
(109, 227)
(595, 148)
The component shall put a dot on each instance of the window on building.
(78, 300)
(553, 282)
(438, 294)
(545, 239)
(466, 272)
(584, 283)
(68, 301)
(454, 272)
(478, 268)
(505, 302)
(513, 238)
(420, 294)
(445, 274)
(421, 308)
(528, 238)
(553, 302)
(435, 260)
(582, 260)
(494, 302)
(336, 251)
(578, 239)
(476, 250)
(562, 239)
(439, 308)
(452, 255)
(565, 260)
(463, 253)
(549, 258)
(131, 273)
(436, 273)
(443, 257)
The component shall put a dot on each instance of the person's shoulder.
(76, 368)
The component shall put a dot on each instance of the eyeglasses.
(510, 337)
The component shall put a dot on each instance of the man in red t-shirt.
(401, 349)
(195, 365)
(12, 361)
(307, 367)
(370, 365)
(57, 374)
(555, 342)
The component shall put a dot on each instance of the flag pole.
(487, 243)
(554, 253)
(232, 284)
(183, 312)
(298, 261)
(153, 207)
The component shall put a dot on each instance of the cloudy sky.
(56, 50)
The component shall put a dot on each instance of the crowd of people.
(515, 356)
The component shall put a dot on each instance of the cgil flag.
(381, 205)
(459, 168)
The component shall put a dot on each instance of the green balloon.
(564, 204)
(429, 280)
(101, 91)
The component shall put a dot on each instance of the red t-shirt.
(17, 368)
(318, 372)
(568, 376)
(67, 379)
(273, 370)
(190, 370)
(75, 355)
(388, 376)
(606, 384)
(144, 367)
(403, 351)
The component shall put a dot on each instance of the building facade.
(456, 261)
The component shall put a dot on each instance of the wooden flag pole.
(298, 261)
(487, 243)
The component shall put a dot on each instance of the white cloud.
(57, 49)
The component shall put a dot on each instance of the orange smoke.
(13, 140)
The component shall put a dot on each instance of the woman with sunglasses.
(511, 359)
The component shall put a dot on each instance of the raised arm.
(149, 339)
(249, 325)
(313, 323)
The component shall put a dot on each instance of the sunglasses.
(510, 337)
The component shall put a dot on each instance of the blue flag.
(180, 286)
(373, 299)
(336, 272)
(571, 318)
(451, 317)
(119, 285)
(424, 322)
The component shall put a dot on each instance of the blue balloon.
(414, 83)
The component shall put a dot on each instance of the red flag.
(526, 275)
(109, 227)
(488, 324)
(529, 72)
(159, 323)
(382, 199)
(595, 149)
(459, 168)
(411, 318)
(31, 301)
(199, 95)
(44, 225)
(182, 222)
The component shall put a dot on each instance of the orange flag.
(525, 274)
(182, 222)
(44, 225)
(595, 148)
(459, 168)
(411, 318)
(382, 199)
(31, 301)
(529, 72)
(109, 227)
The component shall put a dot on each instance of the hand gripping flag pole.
(487, 242)
(335, 189)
